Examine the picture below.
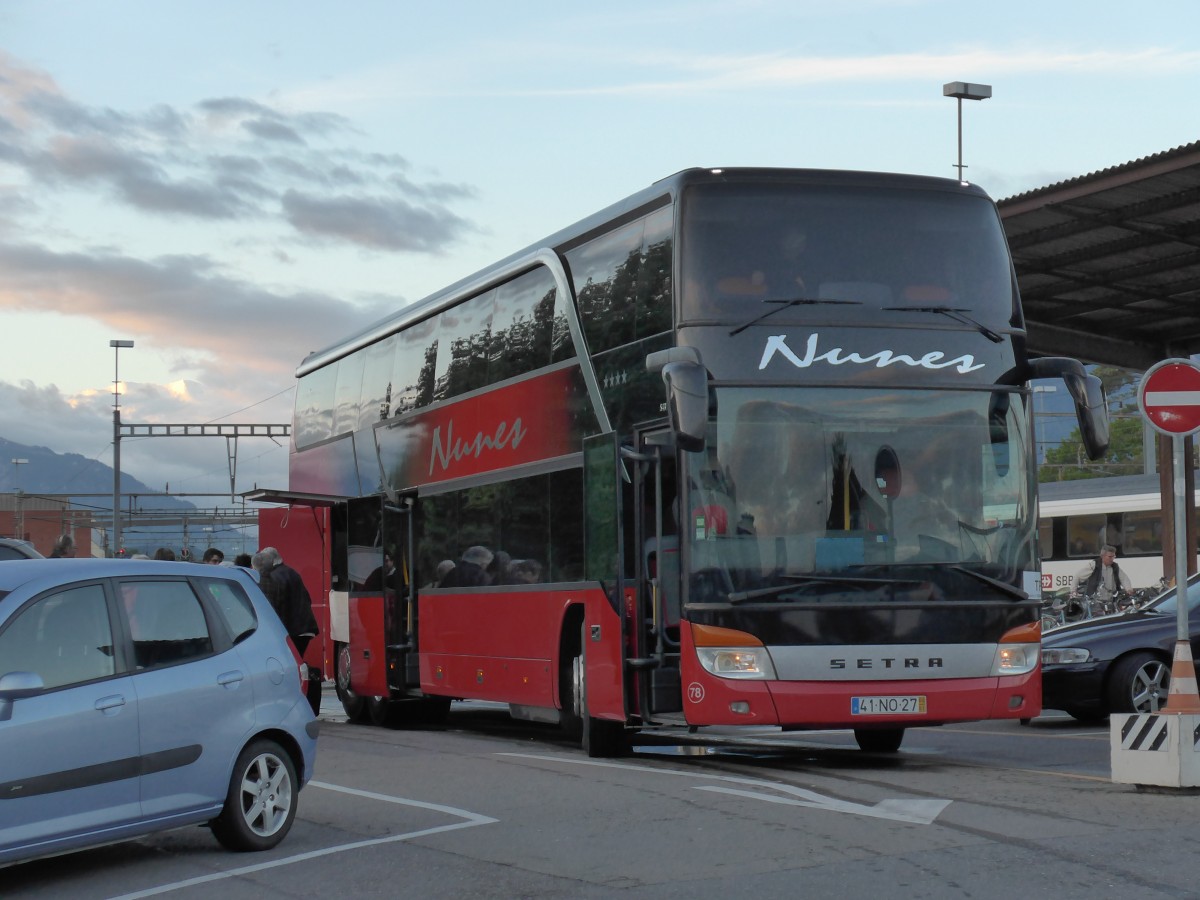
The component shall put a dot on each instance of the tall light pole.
(17, 463)
(962, 90)
(116, 497)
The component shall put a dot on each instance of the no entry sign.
(1169, 397)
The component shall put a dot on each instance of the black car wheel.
(1139, 683)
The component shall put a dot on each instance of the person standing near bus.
(1102, 577)
(285, 590)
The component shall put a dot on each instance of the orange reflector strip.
(1030, 633)
(713, 636)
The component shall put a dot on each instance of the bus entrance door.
(655, 534)
(399, 598)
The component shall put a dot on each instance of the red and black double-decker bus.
(751, 447)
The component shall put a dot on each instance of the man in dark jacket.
(285, 590)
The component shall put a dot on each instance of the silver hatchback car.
(138, 696)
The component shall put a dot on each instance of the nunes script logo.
(452, 449)
(935, 359)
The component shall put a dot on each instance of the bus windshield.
(748, 248)
(821, 487)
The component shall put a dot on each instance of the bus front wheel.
(599, 737)
(879, 740)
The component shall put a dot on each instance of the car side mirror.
(17, 686)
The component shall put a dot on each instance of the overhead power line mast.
(231, 433)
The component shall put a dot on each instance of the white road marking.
(472, 819)
(916, 812)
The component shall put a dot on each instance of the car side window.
(235, 608)
(166, 622)
(64, 637)
(10, 553)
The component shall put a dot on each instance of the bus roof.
(657, 194)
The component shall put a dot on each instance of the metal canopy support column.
(1166, 483)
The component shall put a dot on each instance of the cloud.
(184, 302)
(233, 345)
(221, 161)
(388, 225)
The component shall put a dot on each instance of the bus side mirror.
(1091, 405)
(1093, 416)
(686, 382)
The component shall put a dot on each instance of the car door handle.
(112, 701)
(230, 679)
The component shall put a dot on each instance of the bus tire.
(600, 738)
(384, 712)
(354, 706)
(433, 710)
(879, 740)
(570, 684)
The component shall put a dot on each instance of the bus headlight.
(737, 662)
(1015, 659)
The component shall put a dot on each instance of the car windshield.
(1167, 603)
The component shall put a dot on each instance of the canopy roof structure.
(1108, 263)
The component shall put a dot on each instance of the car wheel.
(260, 805)
(1139, 684)
(354, 705)
(879, 740)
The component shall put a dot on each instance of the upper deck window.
(885, 249)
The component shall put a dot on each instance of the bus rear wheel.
(354, 706)
(879, 740)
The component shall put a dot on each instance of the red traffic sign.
(1169, 396)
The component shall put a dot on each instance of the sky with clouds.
(234, 185)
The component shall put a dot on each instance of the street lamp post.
(17, 463)
(116, 497)
(962, 90)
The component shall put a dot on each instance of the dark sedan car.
(1118, 663)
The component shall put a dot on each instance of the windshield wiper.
(795, 301)
(856, 580)
(953, 312)
(1001, 586)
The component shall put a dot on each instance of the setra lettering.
(889, 662)
(452, 449)
(935, 359)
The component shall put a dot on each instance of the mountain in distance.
(47, 472)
